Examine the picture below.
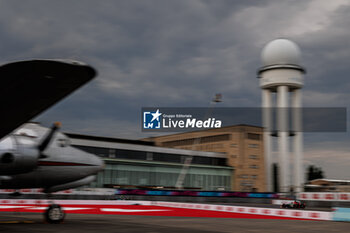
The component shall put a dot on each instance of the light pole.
(188, 160)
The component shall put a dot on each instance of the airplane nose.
(99, 163)
(95, 163)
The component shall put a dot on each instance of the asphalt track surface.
(33, 222)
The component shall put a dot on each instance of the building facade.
(242, 145)
(140, 164)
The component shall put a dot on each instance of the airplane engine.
(17, 162)
(20, 154)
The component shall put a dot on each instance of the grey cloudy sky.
(180, 53)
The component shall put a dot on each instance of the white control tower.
(281, 79)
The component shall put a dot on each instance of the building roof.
(222, 129)
(92, 141)
(109, 139)
(333, 180)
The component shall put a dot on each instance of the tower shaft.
(298, 140)
(267, 123)
(283, 134)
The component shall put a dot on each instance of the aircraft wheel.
(54, 214)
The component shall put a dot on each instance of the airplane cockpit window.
(7, 144)
(63, 142)
(26, 133)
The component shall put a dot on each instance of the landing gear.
(54, 214)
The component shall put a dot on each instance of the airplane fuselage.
(59, 166)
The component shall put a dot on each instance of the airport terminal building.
(141, 164)
(223, 159)
(242, 144)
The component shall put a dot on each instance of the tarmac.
(33, 222)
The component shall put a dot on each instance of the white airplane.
(32, 156)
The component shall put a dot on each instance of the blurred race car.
(294, 205)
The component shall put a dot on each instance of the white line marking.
(64, 208)
(127, 210)
(75, 208)
(11, 206)
(38, 208)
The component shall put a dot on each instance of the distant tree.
(314, 172)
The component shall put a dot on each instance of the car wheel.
(54, 214)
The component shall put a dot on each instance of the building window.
(247, 183)
(253, 166)
(164, 157)
(130, 154)
(149, 156)
(191, 141)
(220, 161)
(217, 146)
(201, 160)
(253, 136)
(253, 157)
(234, 145)
(253, 145)
(254, 177)
(112, 153)
(102, 152)
(244, 176)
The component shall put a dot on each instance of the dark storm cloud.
(176, 53)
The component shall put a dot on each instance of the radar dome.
(280, 52)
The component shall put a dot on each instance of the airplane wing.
(27, 88)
